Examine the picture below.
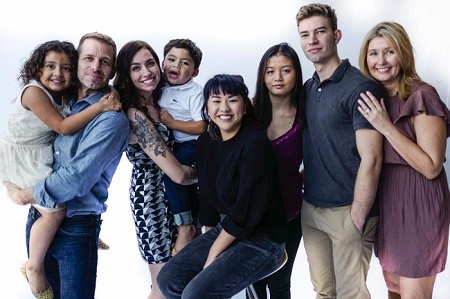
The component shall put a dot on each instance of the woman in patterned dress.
(413, 194)
(139, 81)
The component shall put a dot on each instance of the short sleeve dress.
(26, 145)
(154, 224)
(413, 231)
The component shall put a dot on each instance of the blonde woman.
(413, 192)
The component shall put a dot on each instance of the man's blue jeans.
(71, 261)
(240, 265)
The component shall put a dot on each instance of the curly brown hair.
(31, 68)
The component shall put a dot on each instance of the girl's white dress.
(26, 145)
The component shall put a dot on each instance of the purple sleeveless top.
(289, 156)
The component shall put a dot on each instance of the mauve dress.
(413, 231)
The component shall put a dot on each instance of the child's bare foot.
(185, 234)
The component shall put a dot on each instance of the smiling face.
(144, 71)
(227, 112)
(384, 64)
(178, 66)
(317, 39)
(279, 75)
(95, 65)
(56, 73)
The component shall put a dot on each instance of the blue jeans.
(279, 283)
(72, 255)
(182, 198)
(240, 265)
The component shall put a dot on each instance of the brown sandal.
(102, 245)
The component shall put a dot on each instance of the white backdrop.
(233, 35)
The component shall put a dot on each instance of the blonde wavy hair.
(401, 44)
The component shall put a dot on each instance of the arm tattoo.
(148, 137)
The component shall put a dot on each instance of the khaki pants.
(338, 255)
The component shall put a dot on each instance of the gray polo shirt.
(330, 154)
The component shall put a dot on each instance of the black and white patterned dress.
(155, 229)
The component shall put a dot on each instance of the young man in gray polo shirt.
(342, 158)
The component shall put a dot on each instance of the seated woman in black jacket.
(240, 206)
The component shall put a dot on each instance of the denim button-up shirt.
(85, 162)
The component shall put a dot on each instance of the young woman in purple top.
(278, 110)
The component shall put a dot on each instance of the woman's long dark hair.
(261, 100)
(226, 84)
(129, 95)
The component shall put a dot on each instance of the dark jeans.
(240, 265)
(279, 283)
(182, 199)
(71, 260)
